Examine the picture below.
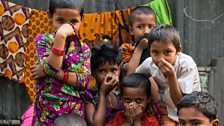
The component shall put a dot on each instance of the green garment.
(162, 10)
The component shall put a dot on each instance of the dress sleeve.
(83, 75)
(43, 47)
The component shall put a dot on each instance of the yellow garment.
(39, 24)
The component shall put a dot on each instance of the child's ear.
(131, 30)
(215, 122)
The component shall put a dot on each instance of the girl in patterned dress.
(63, 71)
(105, 69)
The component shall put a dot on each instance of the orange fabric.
(165, 120)
(34, 22)
(147, 120)
(39, 24)
(127, 51)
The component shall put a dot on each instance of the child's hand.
(143, 44)
(166, 68)
(66, 30)
(108, 84)
(133, 112)
(37, 71)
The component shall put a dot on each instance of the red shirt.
(147, 120)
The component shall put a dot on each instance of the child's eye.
(155, 53)
(127, 100)
(140, 27)
(151, 27)
(114, 70)
(139, 100)
(182, 123)
(168, 52)
(60, 20)
(74, 22)
(196, 123)
(102, 71)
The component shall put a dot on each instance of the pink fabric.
(27, 117)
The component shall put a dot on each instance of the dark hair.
(69, 120)
(136, 80)
(139, 10)
(165, 33)
(202, 101)
(71, 4)
(104, 53)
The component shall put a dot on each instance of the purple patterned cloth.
(54, 97)
(110, 112)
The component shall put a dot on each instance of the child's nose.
(147, 30)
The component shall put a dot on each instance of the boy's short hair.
(106, 52)
(71, 4)
(202, 101)
(139, 10)
(165, 33)
(136, 80)
(69, 120)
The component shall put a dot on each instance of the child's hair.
(165, 33)
(136, 80)
(104, 53)
(70, 4)
(139, 10)
(202, 101)
(69, 120)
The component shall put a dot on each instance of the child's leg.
(165, 120)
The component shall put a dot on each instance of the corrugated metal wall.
(201, 25)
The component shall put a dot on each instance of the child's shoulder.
(182, 58)
(186, 61)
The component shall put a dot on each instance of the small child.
(135, 92)
(63, 71)
(142, 19)
(197, 109)
(105, 69)
(175, 73)
(69, 120)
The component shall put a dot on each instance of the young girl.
(135, 91)
(105, 61)
(175, 73)
(64, 65)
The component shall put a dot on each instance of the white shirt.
(187, 76)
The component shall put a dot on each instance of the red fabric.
(147, 120)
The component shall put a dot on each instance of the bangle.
(58, 51)
(65, 77)
(50, 70)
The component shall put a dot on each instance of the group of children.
(158, 82)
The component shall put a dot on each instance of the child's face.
(142, 25)
(190, 116)
(104, 69)
(63, 15)
(161, 50)
(134, 97)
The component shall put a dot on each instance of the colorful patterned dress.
(54, 97)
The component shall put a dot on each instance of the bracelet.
(50, 70)
(65, 77)
(58, 51)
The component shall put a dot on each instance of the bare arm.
(168, 70)
(96, 117)
(135, 59)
